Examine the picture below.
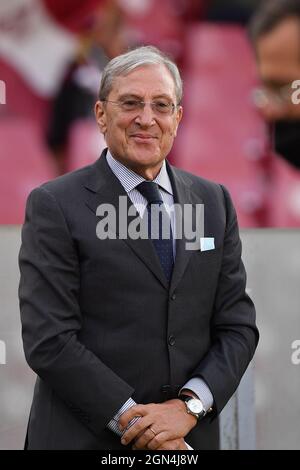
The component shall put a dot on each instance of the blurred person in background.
(101, 40)
(275, 33)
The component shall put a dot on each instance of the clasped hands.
(161, 426)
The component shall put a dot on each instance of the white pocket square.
(207, 243)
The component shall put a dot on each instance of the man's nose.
(145, 115)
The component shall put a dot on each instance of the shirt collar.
(129, 179)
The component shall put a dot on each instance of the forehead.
(145, 81)
(279, 51)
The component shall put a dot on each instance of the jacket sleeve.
(51, 317)
(234, 335)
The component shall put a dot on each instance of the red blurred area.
(222, 136)
(25, 164)
(73, 14)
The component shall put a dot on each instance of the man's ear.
(178, 119)
(100, 114)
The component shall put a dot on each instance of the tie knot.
(150, 191)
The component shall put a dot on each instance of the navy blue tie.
(163, 246)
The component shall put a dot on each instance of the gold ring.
(152, 430)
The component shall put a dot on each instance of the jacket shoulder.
(202, 185)
(68, 179)
(67, 185)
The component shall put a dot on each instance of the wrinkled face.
(278, 54)
(140, 138)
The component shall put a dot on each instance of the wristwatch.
(194, 406)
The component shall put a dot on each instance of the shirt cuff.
(113, 425)
(188, 446)
(200, 388)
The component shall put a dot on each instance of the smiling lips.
(143, 137)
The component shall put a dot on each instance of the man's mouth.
(142, 137)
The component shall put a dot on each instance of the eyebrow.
(130, 95)
(133, 95)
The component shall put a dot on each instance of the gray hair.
(125, 63)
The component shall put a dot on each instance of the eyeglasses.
(278, 95)
(159, 107)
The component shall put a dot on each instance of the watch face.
(195, 406)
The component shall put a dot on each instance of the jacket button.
(173, 297)
(171, 340)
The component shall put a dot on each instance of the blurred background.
(239, 129)
(52, 53)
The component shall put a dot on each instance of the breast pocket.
(209, 255)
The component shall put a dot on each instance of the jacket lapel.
(105, 188)
(182, 195)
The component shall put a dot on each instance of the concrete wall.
(16, 379)
(273, 265)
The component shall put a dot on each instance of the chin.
(145, 157)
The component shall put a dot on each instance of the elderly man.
(138, 342)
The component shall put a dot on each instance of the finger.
(158, 440)
(170, 445)
(142, 441)
(138, 436)
(136, 410)
(140, 426)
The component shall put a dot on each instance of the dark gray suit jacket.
(101, 324)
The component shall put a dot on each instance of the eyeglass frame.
(282, 95)
(143, 103)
